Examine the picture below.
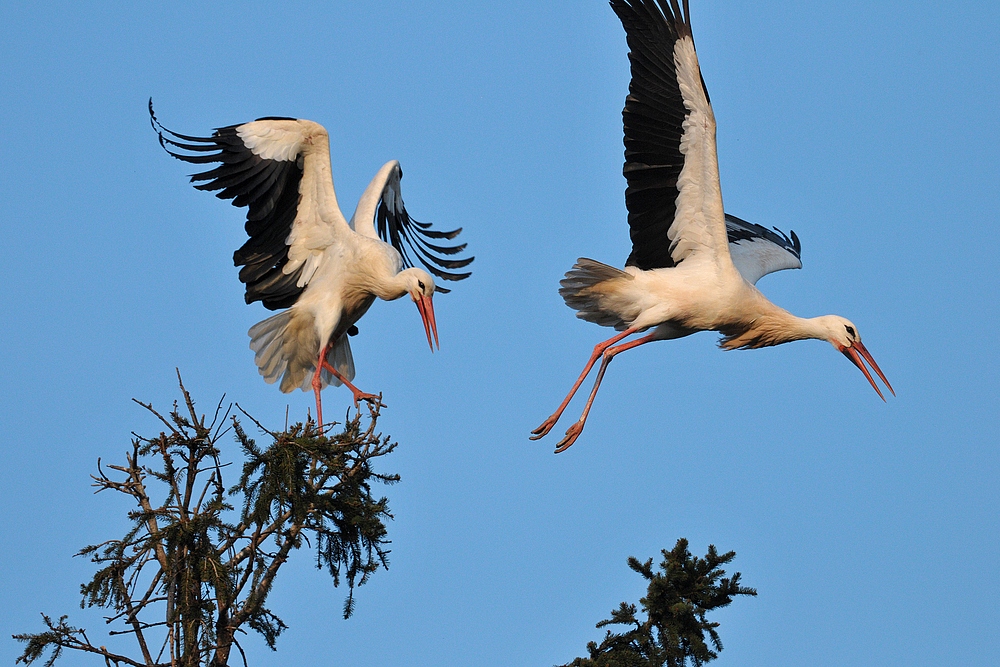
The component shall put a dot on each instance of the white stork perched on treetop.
(304, 255)
(692, 267)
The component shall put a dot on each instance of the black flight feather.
(741, 230)
(269, 189)
(396, 227)
(653, 120)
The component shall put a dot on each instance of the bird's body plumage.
(692, 266)
(304, 255)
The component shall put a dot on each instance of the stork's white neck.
(392, 288)
(778, 326)
(803, 328)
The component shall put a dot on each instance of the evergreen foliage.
(192, 570)
(678, 598)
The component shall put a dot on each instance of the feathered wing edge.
(653, 120)
(396, 227)
(738, 229)
(757, 251)
(270, 191)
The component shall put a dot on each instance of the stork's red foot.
(359, 395)
(572, 433)
(544, 429)
(375, 400)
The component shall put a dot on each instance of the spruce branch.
(197, 564)
(676, 604)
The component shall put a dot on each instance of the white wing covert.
(279, 168)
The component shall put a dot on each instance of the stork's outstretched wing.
(382, 214)
(673, 197)
(757, 251)
(279, 168)
(395, 226)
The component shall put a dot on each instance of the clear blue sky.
(870, 128)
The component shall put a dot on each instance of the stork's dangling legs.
(599, 349)
(317, 385)
(574, 431)
(358, 394)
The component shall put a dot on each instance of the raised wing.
(757, 251)
(381, 213)
(673, 197)
(279, 168)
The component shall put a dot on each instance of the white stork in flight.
(692, 267)
(304, 256)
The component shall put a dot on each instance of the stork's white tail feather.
(579, 291)
(286, 346)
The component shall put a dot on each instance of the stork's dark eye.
(420, 284)
(850, 330)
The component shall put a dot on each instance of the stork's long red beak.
(855, 353)
(426, 307)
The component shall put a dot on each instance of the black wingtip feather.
(406, 234)
(738, 229)
(269, 191)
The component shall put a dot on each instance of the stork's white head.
(420, 286)
(839, 331)
(843, 335)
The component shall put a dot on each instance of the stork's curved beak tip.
(856, 352)
(425, 305)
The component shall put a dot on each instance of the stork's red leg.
(574, 431)
(358, 394)
(317, 385)
(598, 351)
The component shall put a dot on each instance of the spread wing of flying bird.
(395, 226)
(757, 251)
(301, 253)
(673, 212)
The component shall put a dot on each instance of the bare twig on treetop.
(196, 566)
